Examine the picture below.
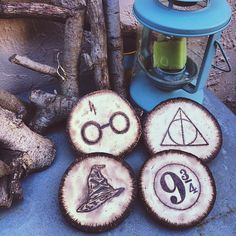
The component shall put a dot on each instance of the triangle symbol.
(200, 140)
(167, 140)
(183, 115)
(183, 132)
(178, 115)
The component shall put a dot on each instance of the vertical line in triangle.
(182, 127)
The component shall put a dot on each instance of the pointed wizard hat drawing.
(99, 190)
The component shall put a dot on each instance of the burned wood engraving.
(96, 126)
(177, 186)
(190, 135)
(92, 108)
(99, 190)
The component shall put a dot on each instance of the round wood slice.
(97, 192)
(182, 124)
(177, 189)
(104, 122)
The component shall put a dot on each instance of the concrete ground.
(39, 213)
(224, 84)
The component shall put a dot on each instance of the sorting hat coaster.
(104, 122)
(182, 124)
(96, 193)
(177, 189)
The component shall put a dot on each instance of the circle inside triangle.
(184, 125)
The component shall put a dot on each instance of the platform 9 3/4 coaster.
(97, 192)
(182, 124)
(177, 189)
(104, 122)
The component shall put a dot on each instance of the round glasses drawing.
(91, 131)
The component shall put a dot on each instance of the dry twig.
(115, 47)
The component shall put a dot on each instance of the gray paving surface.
(39, 214)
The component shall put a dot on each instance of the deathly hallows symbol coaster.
(182, 126)
(99, 190)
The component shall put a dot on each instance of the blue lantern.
(177, 47)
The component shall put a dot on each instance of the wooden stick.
(51, 108)
(33, 65)
(34, 153)
(72, 41)
(11, 103)
(16, 136)
(4, 169)
(99, 46)
(53, 111)
(37, 10)
(49, 70)
(71, 53)
(58, 107)
(115, 47)
(5, 197)
(87, 61)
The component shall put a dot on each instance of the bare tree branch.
(37, 10)
(71, 54)
(51, 108)
(33, 65)
(99, 46)
(115, 47)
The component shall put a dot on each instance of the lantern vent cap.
(210, 19)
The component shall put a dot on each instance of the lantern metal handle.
(217, 43)
(190, 88)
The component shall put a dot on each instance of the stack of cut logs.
(22, 150)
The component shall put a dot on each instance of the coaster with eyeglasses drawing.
(104, 122)
(182, 124)
(96, 193)
(177, 189)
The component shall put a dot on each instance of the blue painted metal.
(188, 0)
(207, 61)
(209, 20)
(218, 44)
(39, 215)
(152, 95)
(146, 95)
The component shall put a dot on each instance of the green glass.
(170, 53)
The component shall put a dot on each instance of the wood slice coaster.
(104, 122)
(177, 189)
(182, 124)
(96, 193)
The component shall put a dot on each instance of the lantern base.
(146, 95)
